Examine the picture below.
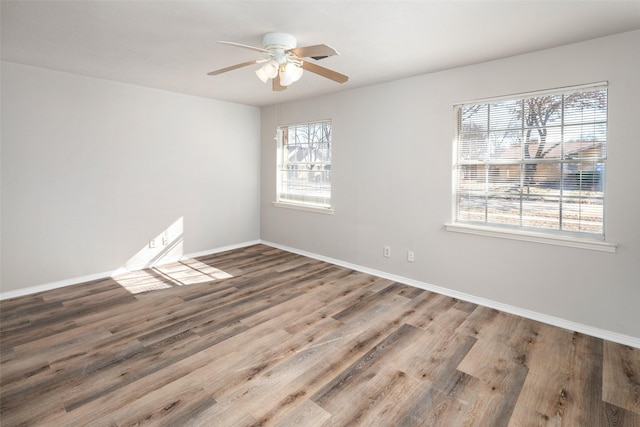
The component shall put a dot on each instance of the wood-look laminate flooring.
(258, 336)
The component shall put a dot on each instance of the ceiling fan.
(283, 62)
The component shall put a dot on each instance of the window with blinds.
(534, 161)
(304, 164)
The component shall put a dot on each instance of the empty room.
(320, 213)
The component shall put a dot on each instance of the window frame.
(301, 201)
(586, 240)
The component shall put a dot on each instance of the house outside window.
(304, 165)
(533, 162)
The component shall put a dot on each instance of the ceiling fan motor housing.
(279, 41)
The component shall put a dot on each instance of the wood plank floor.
(262, 337)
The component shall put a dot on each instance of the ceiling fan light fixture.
(294, 71)
(268, 71)
(285, 78)
(290, 73)
(262, 75)
(271, 68)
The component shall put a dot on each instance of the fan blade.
(233, 67)
(276, 84)
(259, 49)
(319, 50)
(324, 72)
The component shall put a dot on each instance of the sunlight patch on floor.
(142, 281)
(182, 273)
(162, 266)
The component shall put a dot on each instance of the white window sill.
(530, 236)
(308, 208)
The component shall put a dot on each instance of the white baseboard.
(540, 317)
(221, 249)
(97, 276)
(54, 285)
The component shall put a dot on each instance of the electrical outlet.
(387, 251)
(152, 243)
(411, 257)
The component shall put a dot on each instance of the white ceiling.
(171, 45)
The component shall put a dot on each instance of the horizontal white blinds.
(533, 161)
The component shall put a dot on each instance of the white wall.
(92, 169)
(392, 155)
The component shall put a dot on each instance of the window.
(533, 162)
(304, 165)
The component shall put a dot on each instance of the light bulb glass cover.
(262, 75)
(271, 68)
(293, 71)
(285, 78)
